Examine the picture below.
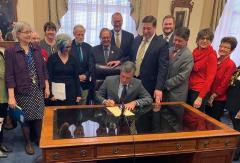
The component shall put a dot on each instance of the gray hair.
(103, 30)
(62, 40)
(18, 26)
(128, 67)
(79, 26)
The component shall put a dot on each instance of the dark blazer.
(135, 91)
(170, 42)
(87, 66)
(126, 43)
(17, 75)
(98, 54)
(154, 67)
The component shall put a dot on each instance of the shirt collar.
(115, 33)
(149, 40)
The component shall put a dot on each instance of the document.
(59, 91)
(116, 111)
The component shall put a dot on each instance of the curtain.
(142, 8)
(57, 8)
(229, 25)
(94, 15)
(218, 6)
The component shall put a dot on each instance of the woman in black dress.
(63, 68)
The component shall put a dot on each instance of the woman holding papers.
(27, 81)
(63, 74)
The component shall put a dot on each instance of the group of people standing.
(153, 67)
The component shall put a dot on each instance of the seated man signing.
(124, 89)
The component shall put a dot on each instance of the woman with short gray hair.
(63, 68)
(27, 81)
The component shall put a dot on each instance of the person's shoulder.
(114, 77)
(127, 33)
(87, 45)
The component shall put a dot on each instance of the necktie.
(80, 55)
(173, 54)
(123, 94)
(166, 38)
(140, 54)
(106, 55)
(118, 44)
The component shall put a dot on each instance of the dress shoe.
(3, 155)
(29, 149)
(4, 148)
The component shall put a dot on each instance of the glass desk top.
(90, 122)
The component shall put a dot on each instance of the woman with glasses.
(26, 81)
(204, 70)
(63, 74)
(225, 69)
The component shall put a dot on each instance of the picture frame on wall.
(181, 10)
(8, 15)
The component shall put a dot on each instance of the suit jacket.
(154, 66)
(135, 91)
(87, 66)
(176, 85)
(126, 43)
(115, 54)
(170, 42)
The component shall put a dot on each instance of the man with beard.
(168, 26)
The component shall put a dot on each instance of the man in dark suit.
(124, 88)
(106, 55)
(121, 38)
(82, 51)
(168, 26)
(176, 85)
(150, 53)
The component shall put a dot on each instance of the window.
(94, 15)
(229, 25)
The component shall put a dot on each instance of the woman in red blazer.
(225, 69)
(204, 70)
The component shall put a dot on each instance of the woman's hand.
(197, 103)
(53, 98)
(12, 102)
(46, 92)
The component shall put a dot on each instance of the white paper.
(116, 111)
(59, 91)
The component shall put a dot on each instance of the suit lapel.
(149, 49)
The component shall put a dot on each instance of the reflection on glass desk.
(92, 122)
(92, 133)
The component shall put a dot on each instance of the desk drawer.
(113, 150)
(70, 153)
(159, 147)
(217, 143)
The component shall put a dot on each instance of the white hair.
(18, 26)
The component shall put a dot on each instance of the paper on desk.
(116, 111)
(59, 91)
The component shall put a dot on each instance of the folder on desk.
(116, 111)
(16, 114)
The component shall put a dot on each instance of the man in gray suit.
(176, 85)
(124, 88)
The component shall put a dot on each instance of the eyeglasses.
(224, 47)
(26, 32)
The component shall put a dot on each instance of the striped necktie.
(139, 58)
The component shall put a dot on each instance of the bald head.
(35, 38)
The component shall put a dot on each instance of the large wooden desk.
(216, 143)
